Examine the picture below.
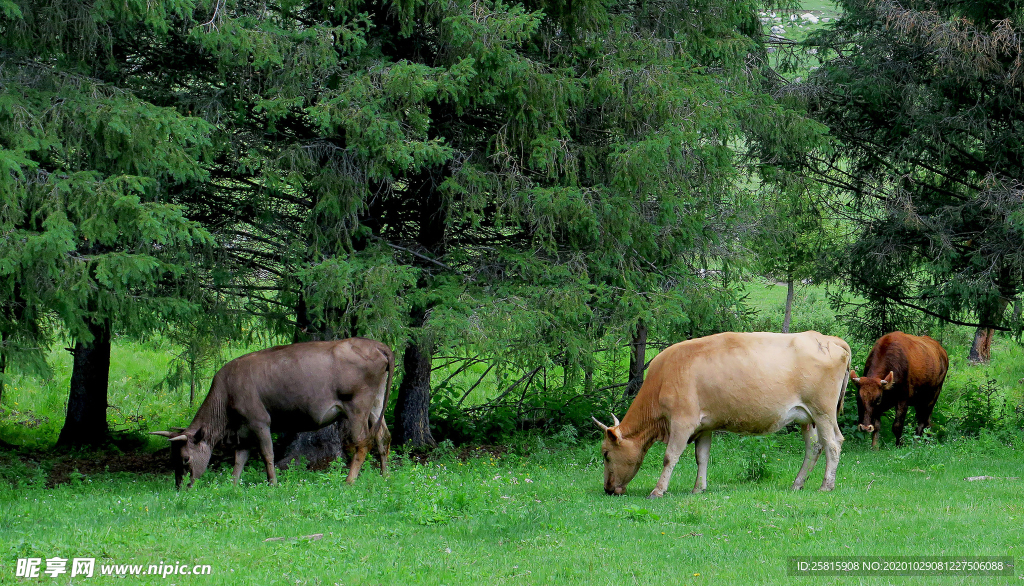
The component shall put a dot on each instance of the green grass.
(537, 518)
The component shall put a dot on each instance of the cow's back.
(751, 382)
(305, 377)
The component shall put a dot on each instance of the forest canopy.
(523, 185)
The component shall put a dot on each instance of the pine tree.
(923, 99)
(90, 233)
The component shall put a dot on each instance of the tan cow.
(750, 383)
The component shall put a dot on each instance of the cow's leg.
(267, 451)
(383, 445)
(838, 433)
(876, 433)
(241, 456)
(924, 417)
(361, 439)
(898, 421)
(833, 445)
(812, 449)
(679, 435)
(702, 449)
(357, 461)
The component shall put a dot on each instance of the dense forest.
(520, 195)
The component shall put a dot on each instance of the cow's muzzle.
(867, 428)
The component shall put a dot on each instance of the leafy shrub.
(639, 514)
(19, 474)
(757, 456)
(567, 436)
(982, 407)
(561, 412)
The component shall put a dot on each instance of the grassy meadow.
(534, 514)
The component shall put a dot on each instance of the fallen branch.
(526, 387)
(478, 381)
(466, 364)
(973, 478)
(313, 537)
(497, 399)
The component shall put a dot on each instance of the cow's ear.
(613, 434)
(887, 381)
(199, 435)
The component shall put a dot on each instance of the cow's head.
(622, 457)
(190, 453)
(870, 391)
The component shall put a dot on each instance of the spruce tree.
(91, 235)
(923, 99)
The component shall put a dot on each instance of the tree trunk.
(981, 349)
(86, 422)
(3, 364)
(412, 411)
(637, 359)
(789, 306)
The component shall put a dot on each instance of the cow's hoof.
(826, 488)
(697, 491)
(655, 494)
(796, 486)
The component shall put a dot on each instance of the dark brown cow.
(295, 388)
(901, 371)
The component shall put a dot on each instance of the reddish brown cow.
(901, 371)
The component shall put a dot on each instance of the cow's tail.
(846, 382)
(390, 356)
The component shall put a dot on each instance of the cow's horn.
(615, 420)
(171, 435)
(602, 426)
